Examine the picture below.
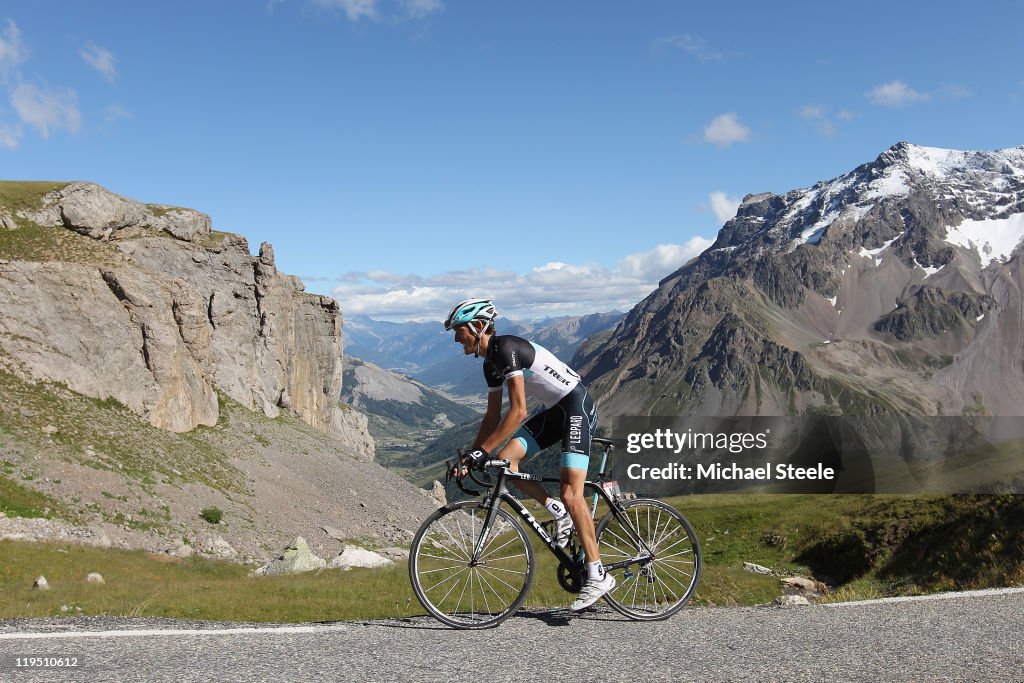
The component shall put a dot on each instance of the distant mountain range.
(896, 287)
(403, 413)
(425, 352)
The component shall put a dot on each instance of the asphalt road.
(955, 637)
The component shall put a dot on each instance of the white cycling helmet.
(470, 310)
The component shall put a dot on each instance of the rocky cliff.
(153, 370)
(895, 287)
(146, 305)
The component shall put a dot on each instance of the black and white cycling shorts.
(572, 420)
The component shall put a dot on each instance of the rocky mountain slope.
(894, 287)
(163, 323)
(403, 413)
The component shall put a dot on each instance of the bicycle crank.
(569, 578)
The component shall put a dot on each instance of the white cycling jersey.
(547, 378)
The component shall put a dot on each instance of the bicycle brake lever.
(448, 476)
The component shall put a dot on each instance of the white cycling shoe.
(593, 590)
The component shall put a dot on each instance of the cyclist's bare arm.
(513, 418)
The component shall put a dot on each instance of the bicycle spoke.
(483, 592)
(496, 533)
(484, 556)
(616, 548)
(507, 571)
(670, 576)
(456, 542)
(469, 580)
(687, 551)
(656, 538)
(455, 577)
(507, 557)
(442, 569)
(499, 580)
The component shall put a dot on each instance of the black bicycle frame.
(501, 493)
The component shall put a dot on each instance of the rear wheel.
(463, 591)
(655, 578)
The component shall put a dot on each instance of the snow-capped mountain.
(896, 286)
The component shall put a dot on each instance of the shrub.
(212, 515)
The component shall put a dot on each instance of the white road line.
(288, 630)
(921, 598)
(149, 633)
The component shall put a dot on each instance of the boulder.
(396, 554)
(95, 577)
(438, 493)
(295, 559)
(41, 584)
(354, 556)
(799, 585)
(791, 601)
(215, 546)
(756, 568)
(96, 212)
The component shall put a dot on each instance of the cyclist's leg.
(525, 442)
(580, 420)
(572, 479)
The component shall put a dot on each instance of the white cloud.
(354, 9)
(812, 111)
(10, 136)
(554, 288)
(417, 9)
(695, 45)
(12, 50)
(896, 94)
(100, 59)
(47, 110)
(725, 130)
(818, 114)
(402, 10)
(724, 206)
(664, 259)
(115, 112)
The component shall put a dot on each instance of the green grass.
(137, 584)
(18, 501)
(25, 195)
(32, 242)
(105, 435)
(875, 545)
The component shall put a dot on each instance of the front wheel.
(652, 551)
(464, 589)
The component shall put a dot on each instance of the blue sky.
(559, 156)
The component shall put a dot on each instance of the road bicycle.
(471, 564)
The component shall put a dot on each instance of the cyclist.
(568, 415)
